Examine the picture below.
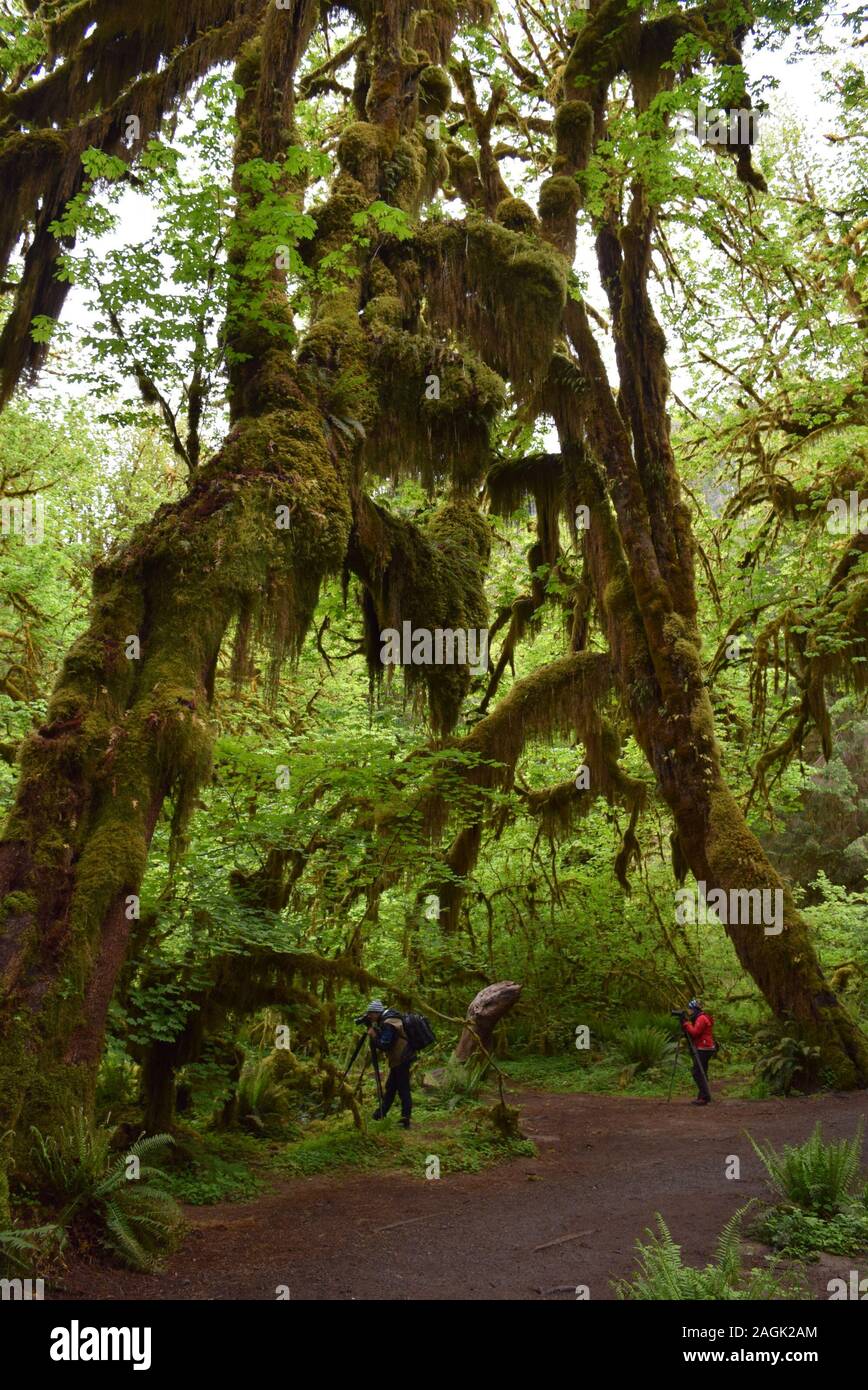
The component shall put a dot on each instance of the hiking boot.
(376, 1115)
(700, 1100)
(404, 1122)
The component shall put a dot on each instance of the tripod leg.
(376, 1062)
(361, 1076)
(356, 1050)
(674, 1065)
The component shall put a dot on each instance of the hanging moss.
(540, 476)
(97, 68)
(122, 734)
(432, 29)
(431, 577)
(562, 698)
(500, 289)
(558, 808)
(562, 394)
(384, 311)
(44, 165)
(437, 407)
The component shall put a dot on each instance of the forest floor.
(530, 1228)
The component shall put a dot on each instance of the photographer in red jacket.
(699, 1027)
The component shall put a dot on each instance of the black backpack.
(418, 1031)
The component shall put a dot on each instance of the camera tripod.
(375, 1062)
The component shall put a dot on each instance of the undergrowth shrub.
(817, 1176)
(263, 1098)
(22, 1249)
(645, 1045)
(799, 1235)
(787, 1063)
(137, 1219)
(662, 1274)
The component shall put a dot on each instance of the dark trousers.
(705, 1055)
(398, 1083)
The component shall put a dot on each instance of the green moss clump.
(574, 129)
(361, 152)
(384, 310)
(559, 196)
(516, 215)
(379, 279)
(272, 378)
(112, 863)
(16, 904)
(618, 596)
(404, 176)
(334, 357)
(333, 217)
(559, 201)
(432, 436)
(435, 91)
(436, 168)
(502, 290)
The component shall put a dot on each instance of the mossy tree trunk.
(128, 724)
(641, 553)
(158, 1087)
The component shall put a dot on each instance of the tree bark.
(158, 1087)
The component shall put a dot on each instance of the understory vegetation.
(822, 1208)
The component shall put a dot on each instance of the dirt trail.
(605, 1166)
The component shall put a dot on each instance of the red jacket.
(700, 1031)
